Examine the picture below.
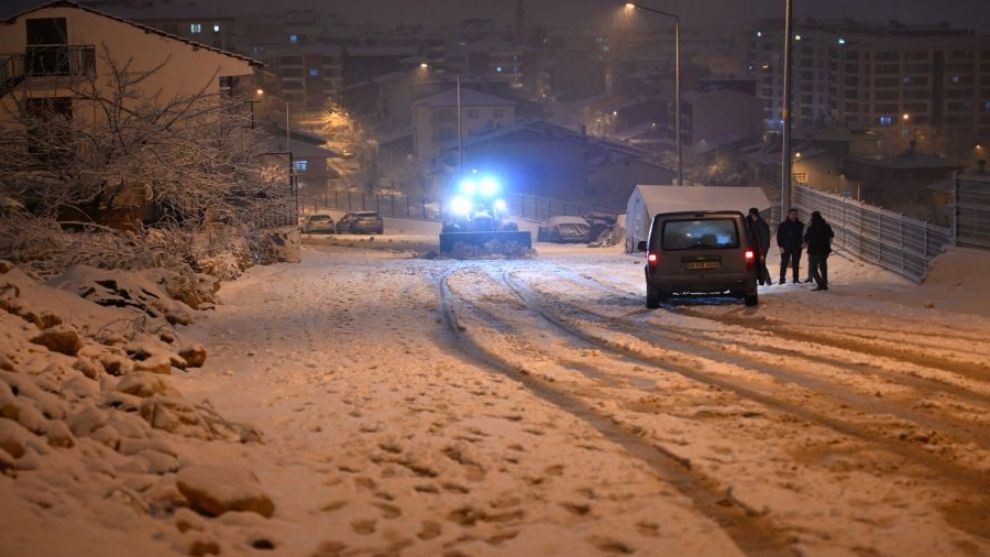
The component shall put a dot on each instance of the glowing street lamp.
(631, 7)
(905, 116)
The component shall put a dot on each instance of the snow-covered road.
(534, 407)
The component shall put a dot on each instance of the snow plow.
(474, 224)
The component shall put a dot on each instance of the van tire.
(652, 297)
(752, 299)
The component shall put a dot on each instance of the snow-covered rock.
(214, 490)
(60, 338)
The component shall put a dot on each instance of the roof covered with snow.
(665, 199)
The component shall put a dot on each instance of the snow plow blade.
(502, 242)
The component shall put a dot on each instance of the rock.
(213, 490)
(178, 317)
(156, 363)
(88, 367)
(13, 438)
(194, 355)
(144, 384)
(167, 336)
(158, 462)
(43, 319)
(5, 266)
(61, 338)
(929, 305)
(6, 364)
(87, 421)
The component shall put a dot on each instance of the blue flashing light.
(468, 186)
(460, 206)
(488, 186)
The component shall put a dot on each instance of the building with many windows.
(865, 75)
(435, 121)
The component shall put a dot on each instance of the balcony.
(41, 61)
(60, 60)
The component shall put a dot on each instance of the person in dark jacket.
(761, 232)
(790, 237)
(818, 238)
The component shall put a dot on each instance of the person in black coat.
(790, 237)
(761, 233)
(818, 238)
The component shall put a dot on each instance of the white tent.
(646, 201)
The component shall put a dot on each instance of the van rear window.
(700, 234)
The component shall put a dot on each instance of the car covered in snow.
(361, 222)
(318, 223)
(705, 252)
(564, 229)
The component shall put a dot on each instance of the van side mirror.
(641, 246)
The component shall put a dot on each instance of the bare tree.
(122, 150)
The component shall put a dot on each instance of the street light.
(630, 7)
(785, 135)
(905, 116)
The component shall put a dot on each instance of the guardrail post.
(901, 223)
(925, 234)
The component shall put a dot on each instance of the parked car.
(564, 229)
(711, 252)
(318, 223)
(361, 222)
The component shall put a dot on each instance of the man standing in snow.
(819, 240)
(790, 235)
(762, 232)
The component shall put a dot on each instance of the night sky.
(968, 13)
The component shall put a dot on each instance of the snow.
(383, 403)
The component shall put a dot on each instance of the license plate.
(702, 265)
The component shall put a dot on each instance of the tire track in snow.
(965, 477)
(752, 533)
(787, 332)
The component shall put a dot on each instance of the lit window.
(886, 120)
(759, 33)
(195, 27)
(301, 165)
(314, 72)
(841, 41)
(498, 69)
(216, 27)
(955, 79)
(293, 38)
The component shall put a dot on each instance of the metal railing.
(60, 60)
(971, 218)
(11, 73)
(893, 241)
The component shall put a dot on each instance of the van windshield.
(700, 234)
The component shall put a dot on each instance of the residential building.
(57, 46)
(899, 182)
(435, 120)
(877, 75)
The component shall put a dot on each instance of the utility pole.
(460, 137)
(677, 101)
(785, 135)
(631, 7)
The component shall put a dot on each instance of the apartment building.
(435, 120)
(876, 75)
(941, 82)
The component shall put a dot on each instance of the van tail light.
(750, 257)
(652, 259)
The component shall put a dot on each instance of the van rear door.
(705, 245)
